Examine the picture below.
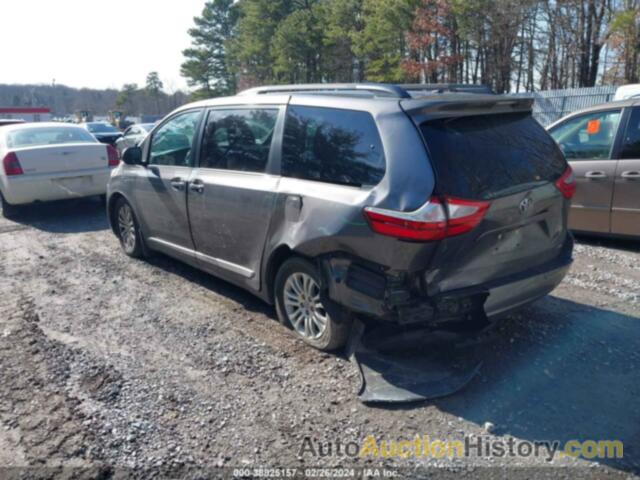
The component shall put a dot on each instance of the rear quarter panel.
(330, 218)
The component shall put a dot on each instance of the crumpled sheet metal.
(411, 366)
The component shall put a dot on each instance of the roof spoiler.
(430, 88)
(460, 105)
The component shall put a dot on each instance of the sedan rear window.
(489, 156)
(101, 128)
(35, 137)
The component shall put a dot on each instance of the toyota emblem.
(524, 205)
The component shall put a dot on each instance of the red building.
(28, 114)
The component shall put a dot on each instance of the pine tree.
(154, 88)
(207, 65)
(382, 41)
(251, 48)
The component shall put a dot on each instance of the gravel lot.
(113, 363)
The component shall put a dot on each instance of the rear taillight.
(429, 222)
(464, 215)
(567, 183)
(114, 157)
(11, 165)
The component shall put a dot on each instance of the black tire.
(335, 333)
(8, 210)
(132, 245)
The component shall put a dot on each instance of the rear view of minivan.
(332, 201)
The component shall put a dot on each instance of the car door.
(587, 141)
(232, 192)
(161, 187)
(625, 211)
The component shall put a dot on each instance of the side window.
(333, 146)
(631, 143)
(588, 137)
(171, 143)
(238, 139)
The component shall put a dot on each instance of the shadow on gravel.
(629, 245)
(561, 371)
(250, 302)
(557, 371)
(68, 216)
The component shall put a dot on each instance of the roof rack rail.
(447, 87)
(382, 88)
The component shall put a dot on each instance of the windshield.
(147, 126)
(101, 128)
(34, 137)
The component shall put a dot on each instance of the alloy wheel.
(127, 228)
(303, 305)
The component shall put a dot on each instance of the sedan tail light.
(430, 222)
(11, 165)
(567, 183)
(113, 155)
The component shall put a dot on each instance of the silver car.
(338, 200)
(133, 135)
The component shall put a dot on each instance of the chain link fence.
(551, 105)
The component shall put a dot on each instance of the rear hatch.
(56, 159)
(494, 151)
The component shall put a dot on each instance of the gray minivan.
(430, 208)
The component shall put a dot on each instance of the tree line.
(153, 98)
(522, 45)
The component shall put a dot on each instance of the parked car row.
(51, 161)
(103, 131)
(107, 133)
(54, 161)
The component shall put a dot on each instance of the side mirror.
(132, 156)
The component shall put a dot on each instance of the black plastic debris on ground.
(414, 365)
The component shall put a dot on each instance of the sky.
(94, 43)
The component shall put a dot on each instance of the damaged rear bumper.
(367, 290)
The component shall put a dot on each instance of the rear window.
(332, 146)
(489, 156)
(35, 137)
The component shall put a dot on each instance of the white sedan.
(42, 162)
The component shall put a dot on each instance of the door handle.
(293, 207)
(633, 175)
(177, 183)
(197, 186)
(595, 175)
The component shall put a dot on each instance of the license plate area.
(74, 183)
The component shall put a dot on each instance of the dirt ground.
(118, 364)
